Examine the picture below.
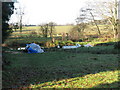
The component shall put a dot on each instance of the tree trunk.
(46, 31)
(115, 28)
(115, 32)
(51, 31)
(21, 23)
(96, 24)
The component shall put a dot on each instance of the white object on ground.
(88, 45)
(35, 47)
(71, 47)
(21, 48)
(58, 46)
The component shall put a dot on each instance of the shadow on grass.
(22, 30)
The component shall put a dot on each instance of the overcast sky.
(44, 11)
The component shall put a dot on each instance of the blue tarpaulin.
(34, 48)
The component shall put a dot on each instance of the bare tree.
(44, 30)
(47, 29)
(107, 10)
(74, 34)
(77, 31)
(86, 15)
(95, 23)
(20, 13)
(52, 28)
(81, 21)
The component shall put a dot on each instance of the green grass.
(95, 67)
(88, 81)
(26, 40)
(63, 69)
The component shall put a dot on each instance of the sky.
(44, 11)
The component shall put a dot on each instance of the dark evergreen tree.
(7, 11)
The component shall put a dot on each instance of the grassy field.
(27, 36)
(95, 67)
(61, 29)
(58, 29)
(90, 30)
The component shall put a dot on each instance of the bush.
(56, 42)
(14, 44)
(117, 45)
(5, 62)
(33, 33)
(69, 43)
(62, 43)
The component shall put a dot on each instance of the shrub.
(69, 43)
(14, 44)
(56, 42)
(33, 33)
(62, 43)
(117, 45)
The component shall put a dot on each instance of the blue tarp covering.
(34, 48)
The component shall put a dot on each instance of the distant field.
(60, 29)
(66, 29)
